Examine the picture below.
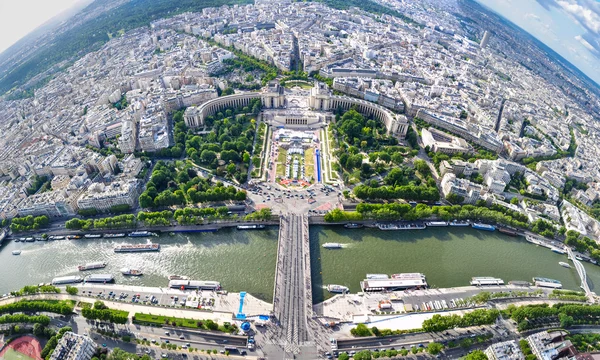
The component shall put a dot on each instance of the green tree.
(361, 330)
(434, 348)
(363, 355)
(476, 355)
(344, 356)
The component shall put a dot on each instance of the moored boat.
(178, 277)
(99, 278)
(251, 227)
(332, 246)
(92, 236)
(558, 251)
(459, 223)
(142, 234)
(340, 289)
(482, 226)
(377, 276)
(436, 223)
(92, 266)
(112, 236)
(353, 226)
(545, 282)
(508, 231)
(73, 237)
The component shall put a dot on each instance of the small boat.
(16, 252)
(332, 246)
(131, 272)
(377, 276)
(337, 289)
(436, 223)
(564, 264)
(92, 266)
(142, 234)
(482, 226)
(178, 277)
(251, 227)
(112, 236)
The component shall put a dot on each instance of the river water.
(240, 260)
(448, 256)
(245, 260)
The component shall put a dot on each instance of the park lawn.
(162, 320)
(301, 84)
(12, 354)
(181, 322)
(309, 163)
(281, 159)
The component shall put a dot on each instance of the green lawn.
(188, 323)
(11, 354)
(309, 163)
(281, 159)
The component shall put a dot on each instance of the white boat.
(332, 246)
(337, 289)
(178, 277)
(131, 272)
(377, 276)
(16, 252)
(564, 264)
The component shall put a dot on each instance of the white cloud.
(586, 16)
(586, 44)
(532, 16)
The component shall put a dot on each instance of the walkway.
(582, 274)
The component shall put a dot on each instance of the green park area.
(148, 319)
(281, 159)
(11, 354)
(309, 163)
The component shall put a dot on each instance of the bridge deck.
(292, 298)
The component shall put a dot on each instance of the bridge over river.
(297, 334)
(582, 274)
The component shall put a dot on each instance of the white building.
(74, 347)
(508, 350)
(102, 197)
(439, 141)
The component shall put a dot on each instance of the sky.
(569, 27)
(19, 17)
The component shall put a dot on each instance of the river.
(245, 260)
(240, 260)
(448, 256)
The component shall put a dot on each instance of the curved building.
(320, 98)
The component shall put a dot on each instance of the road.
(181, 337)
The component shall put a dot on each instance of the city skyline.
(17, 19)
(569, 27)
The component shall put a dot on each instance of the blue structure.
(240, 315)
(245, 326)
(318, 154)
